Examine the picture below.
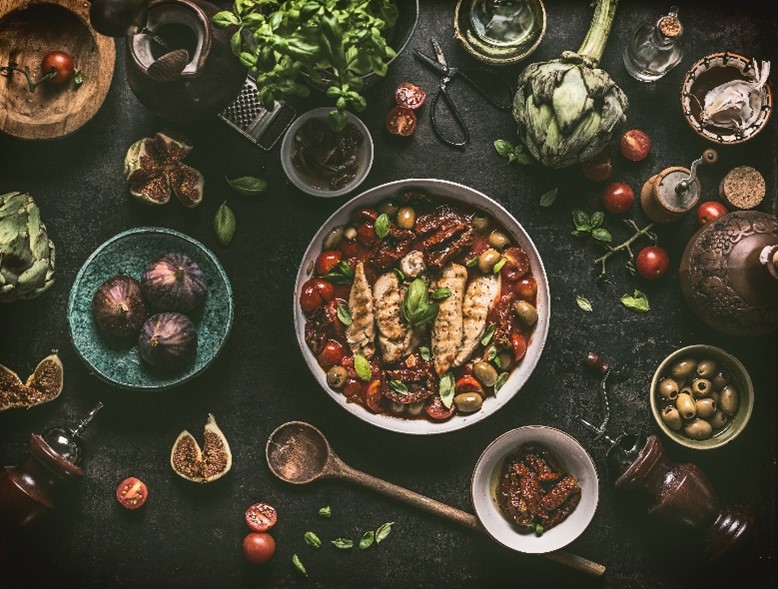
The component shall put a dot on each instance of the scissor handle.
(442, 91)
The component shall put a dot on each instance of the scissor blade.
(439, 53)
(429, 62)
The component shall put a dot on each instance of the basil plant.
(333, 42)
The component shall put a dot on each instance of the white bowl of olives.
(701, 397)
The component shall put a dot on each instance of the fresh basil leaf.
(520, 156)
(498, 266)
(424, 314)
(502, 378)
(400, 274)
(382, 532)
(491, 353)
(441, 293)
(425, 353)
(363, 368)
(583, 303)
(637, 302)
(471, 262)
(344, 314)
(496, 361)
(549, 197)
(247, 185)
(382, 225)
(415, 297)
(398, 387)
(299, 565)
(581, 220)
(224, 19)
(367, 540)
(601, 234)
(345, 269)
(580, 232)
(325, 511)
(488, 334)
(224, 224)
(342, 543)
(78, 78)
(336, 278)
(312, 540)
(504, 148)
(446, 389)
(598, 217)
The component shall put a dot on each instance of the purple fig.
(168, 340)
(174, 282)
(118, 306)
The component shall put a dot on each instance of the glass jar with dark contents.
(327, 159)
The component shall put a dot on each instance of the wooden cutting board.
(28, 30)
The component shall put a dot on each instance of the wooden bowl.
(28, 30)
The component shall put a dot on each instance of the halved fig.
(187, 184)
(155, 191)
(44, 384)
(204, 465)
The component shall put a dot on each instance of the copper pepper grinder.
(28, 492)
(676, 493)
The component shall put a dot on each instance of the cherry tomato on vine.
(261, 517)
(401, 121)
(409, 96)
(315, 293)
(652, 262)
(709, 211)
(598, 168)
(617, 198)
(132, 493)
(259, 547)
(60, 62)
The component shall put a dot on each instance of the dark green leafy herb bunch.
(334, 42)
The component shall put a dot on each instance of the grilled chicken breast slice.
(394, 337)
(481, 293)
(361, 333)
(447, 330)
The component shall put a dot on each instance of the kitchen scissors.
(449, 73)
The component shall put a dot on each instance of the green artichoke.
(26, 252)
(567, 109)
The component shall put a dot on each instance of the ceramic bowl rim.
(224, 280)
(519, 376)
(743, 376)
(291, 172)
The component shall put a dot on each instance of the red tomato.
(401, 121)
(519, 345)
(437, 411)
(597, 169)
(132, 493)
(617, 198)
(261, 517)
(468, 384)
(331, 355)
(366, 233)
(258, 547)
(652, 262)
(708, 211)
(353, 387)
(326, 261)
(373, 396)
(635, 145)
(365, 214)
(409, 96)
(60, 62)
(526, 289)
(315, 293)
(516, 263)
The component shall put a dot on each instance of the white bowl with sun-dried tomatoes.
(421, 306)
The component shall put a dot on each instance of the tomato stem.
(626, 245)
(14, 67)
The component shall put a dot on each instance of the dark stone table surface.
(190, 536)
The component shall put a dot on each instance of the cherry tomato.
(635, 145)
(708, 211)
(598, 168)
(331, 355)
(526, 289)
(469, 384)
(258, 547)
(132, 493)
(373, 396)
(409, 96)
(437, 411)
(365, 214)
(261, 517)
(315, 293)
(617, 198)
(326, 261)
(516, 263)
(60, 62)
(366, 233)
(354, 387)
(519, 345)
(401, 121)
(652, 262)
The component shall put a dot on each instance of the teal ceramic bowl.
(129, 253)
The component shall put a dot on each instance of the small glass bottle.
(654, 48)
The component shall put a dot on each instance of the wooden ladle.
(298, 453)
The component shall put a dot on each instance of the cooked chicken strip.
(447, 329)
(481, 293)
(413, 264)
(361, 333)
(394, 336)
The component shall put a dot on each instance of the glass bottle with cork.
(655, 47)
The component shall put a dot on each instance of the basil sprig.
(341, 273)
(417, 308)
(382, 225)
(447, 389)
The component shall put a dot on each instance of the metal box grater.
(252, 120)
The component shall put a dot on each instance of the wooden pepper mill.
(670, 194)
(28, 492)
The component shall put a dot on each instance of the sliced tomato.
(132, 493)
(437, 411)
(469, 384)
(401, 121)
(409, 96)
(516, 263)
(519, 345)
(373, 396)
(261, 517)
(326, 261)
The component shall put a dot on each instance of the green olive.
(416, 409)
(668, 389)
(406, 218)
(718, 419)
(336, 376)
(671, 417)
(396, 408)
(332, 239)
(706, 369)
(389, 208)
(729, 400)
(487, 260)
(701, 387)
(683, 369)
(498, 240)
(485, 373)
(506, 360)
(469, 402)
(480, 222)
(699, 429)
(721, 379)
(526, 312)
(706, 407)
(685, 405)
